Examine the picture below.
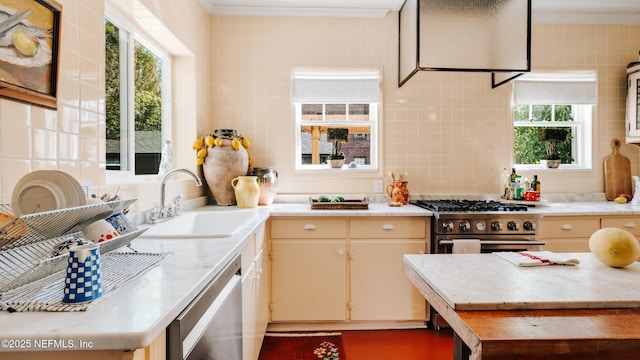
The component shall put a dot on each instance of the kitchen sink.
(201, 224)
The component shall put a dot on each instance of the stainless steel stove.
(500, 226)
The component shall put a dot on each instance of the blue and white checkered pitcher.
(83, 280)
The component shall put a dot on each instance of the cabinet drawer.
(631, 224)
(309, 229)
(568, 228)
(388, 228)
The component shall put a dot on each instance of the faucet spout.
(169, 174)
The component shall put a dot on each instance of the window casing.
(313, 120)
(554, 100)
(575, 152)
(137, 100)
(326, 99)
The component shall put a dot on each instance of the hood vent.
(461, 35)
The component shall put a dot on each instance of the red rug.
(302, 346)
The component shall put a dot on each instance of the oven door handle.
(499, 242)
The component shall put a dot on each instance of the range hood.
(462, 35)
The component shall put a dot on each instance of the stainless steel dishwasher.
(211, 326)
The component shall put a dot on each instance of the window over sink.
(336, 98)
(553, 103)
(137, 102)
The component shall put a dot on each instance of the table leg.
(460, 350)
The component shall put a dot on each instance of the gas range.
(493, 222)
(481, 217)
(469, 205)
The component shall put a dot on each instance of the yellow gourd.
(614, 247)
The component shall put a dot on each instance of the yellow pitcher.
(246, 190)
(398, 192)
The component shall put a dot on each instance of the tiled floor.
(415, 344)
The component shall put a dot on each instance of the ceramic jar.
(398, 192)
(247, 191)
(267, 181)
(223, 164)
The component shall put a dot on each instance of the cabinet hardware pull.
(387, 227)
(309, 226)
(566, 227)
(629, 224)
(341, 252)
(258, 274)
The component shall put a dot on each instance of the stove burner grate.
(468, 205)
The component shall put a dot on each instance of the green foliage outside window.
(147, 84)
(528, 147)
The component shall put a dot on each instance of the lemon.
(197, 145)
(235, 143)
(245, 143)
(26, 44)
(199, 161)
(217, 142)
(209, 141)
(202, 154)
(620, 200)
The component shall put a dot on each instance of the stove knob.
(496, 226)
(447, 226)
(480, 226)
(512, 225)
(529, 225)
(464, 225)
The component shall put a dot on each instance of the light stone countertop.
(469, 282)
(137, 313)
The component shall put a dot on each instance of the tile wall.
(449, 131)
(71, 139)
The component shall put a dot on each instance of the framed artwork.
(29, 51)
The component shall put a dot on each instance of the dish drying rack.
(27, 242)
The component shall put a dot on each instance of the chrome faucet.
(166, 177)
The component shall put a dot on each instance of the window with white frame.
(552, 119)
(333, 98)
(137, 99)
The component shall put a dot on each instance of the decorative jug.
(267, 181)
(246, 190)
(398, 192)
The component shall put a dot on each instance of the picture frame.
(30, 51)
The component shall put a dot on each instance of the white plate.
(46, 190)
(77, 189)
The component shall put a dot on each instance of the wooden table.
(589, 311)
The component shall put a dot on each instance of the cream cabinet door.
(310, 280)
(249, 316)
(568, 234)
(379, 288)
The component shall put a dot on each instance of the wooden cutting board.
(617, 173)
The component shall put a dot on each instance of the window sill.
(561, 168)
(128, 177)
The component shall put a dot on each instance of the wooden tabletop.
(487, 282)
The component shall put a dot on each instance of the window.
(137, 98)
(326, 99)
(552, 115)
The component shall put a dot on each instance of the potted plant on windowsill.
(337, 136)
(551, 138)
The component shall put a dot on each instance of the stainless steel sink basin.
(201, 224)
